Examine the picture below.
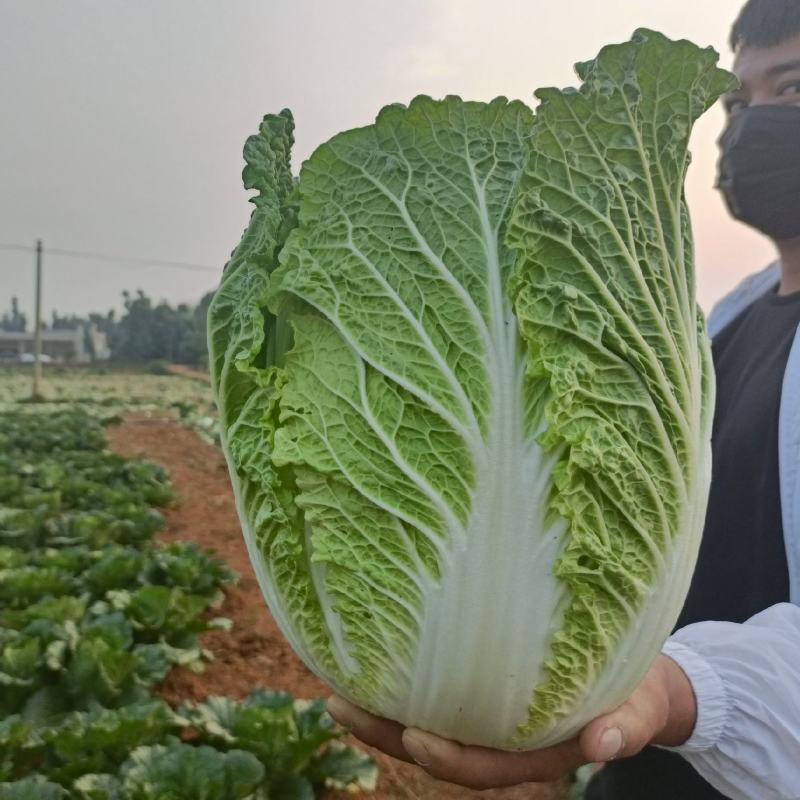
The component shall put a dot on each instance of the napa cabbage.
(466, 395)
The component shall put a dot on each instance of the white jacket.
(746, 678)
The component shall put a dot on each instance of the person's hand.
(662, 710)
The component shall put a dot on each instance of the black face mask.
(759, 169)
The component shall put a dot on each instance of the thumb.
(627, 729)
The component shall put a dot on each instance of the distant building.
(98, 342)
(65, 346)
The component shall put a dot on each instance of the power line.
(151, 262)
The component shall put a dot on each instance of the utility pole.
(37, 332)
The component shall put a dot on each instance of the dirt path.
(253, 653)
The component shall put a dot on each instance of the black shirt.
(742, 567)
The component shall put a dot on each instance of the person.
(718, 714)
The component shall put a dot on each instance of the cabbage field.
(93, 617)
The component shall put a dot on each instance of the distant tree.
(14, 321)
(148, 332)
(70, 323)
(199, 346)
(135, 339)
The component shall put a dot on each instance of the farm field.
(94, 615)
(250, 652)
(110, 387)
(103, 391)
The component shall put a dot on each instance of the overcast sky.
(122, 121)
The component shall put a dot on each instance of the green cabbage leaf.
(466, 395)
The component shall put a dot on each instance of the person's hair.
(765, 23)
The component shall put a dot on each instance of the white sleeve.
(746, 679)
